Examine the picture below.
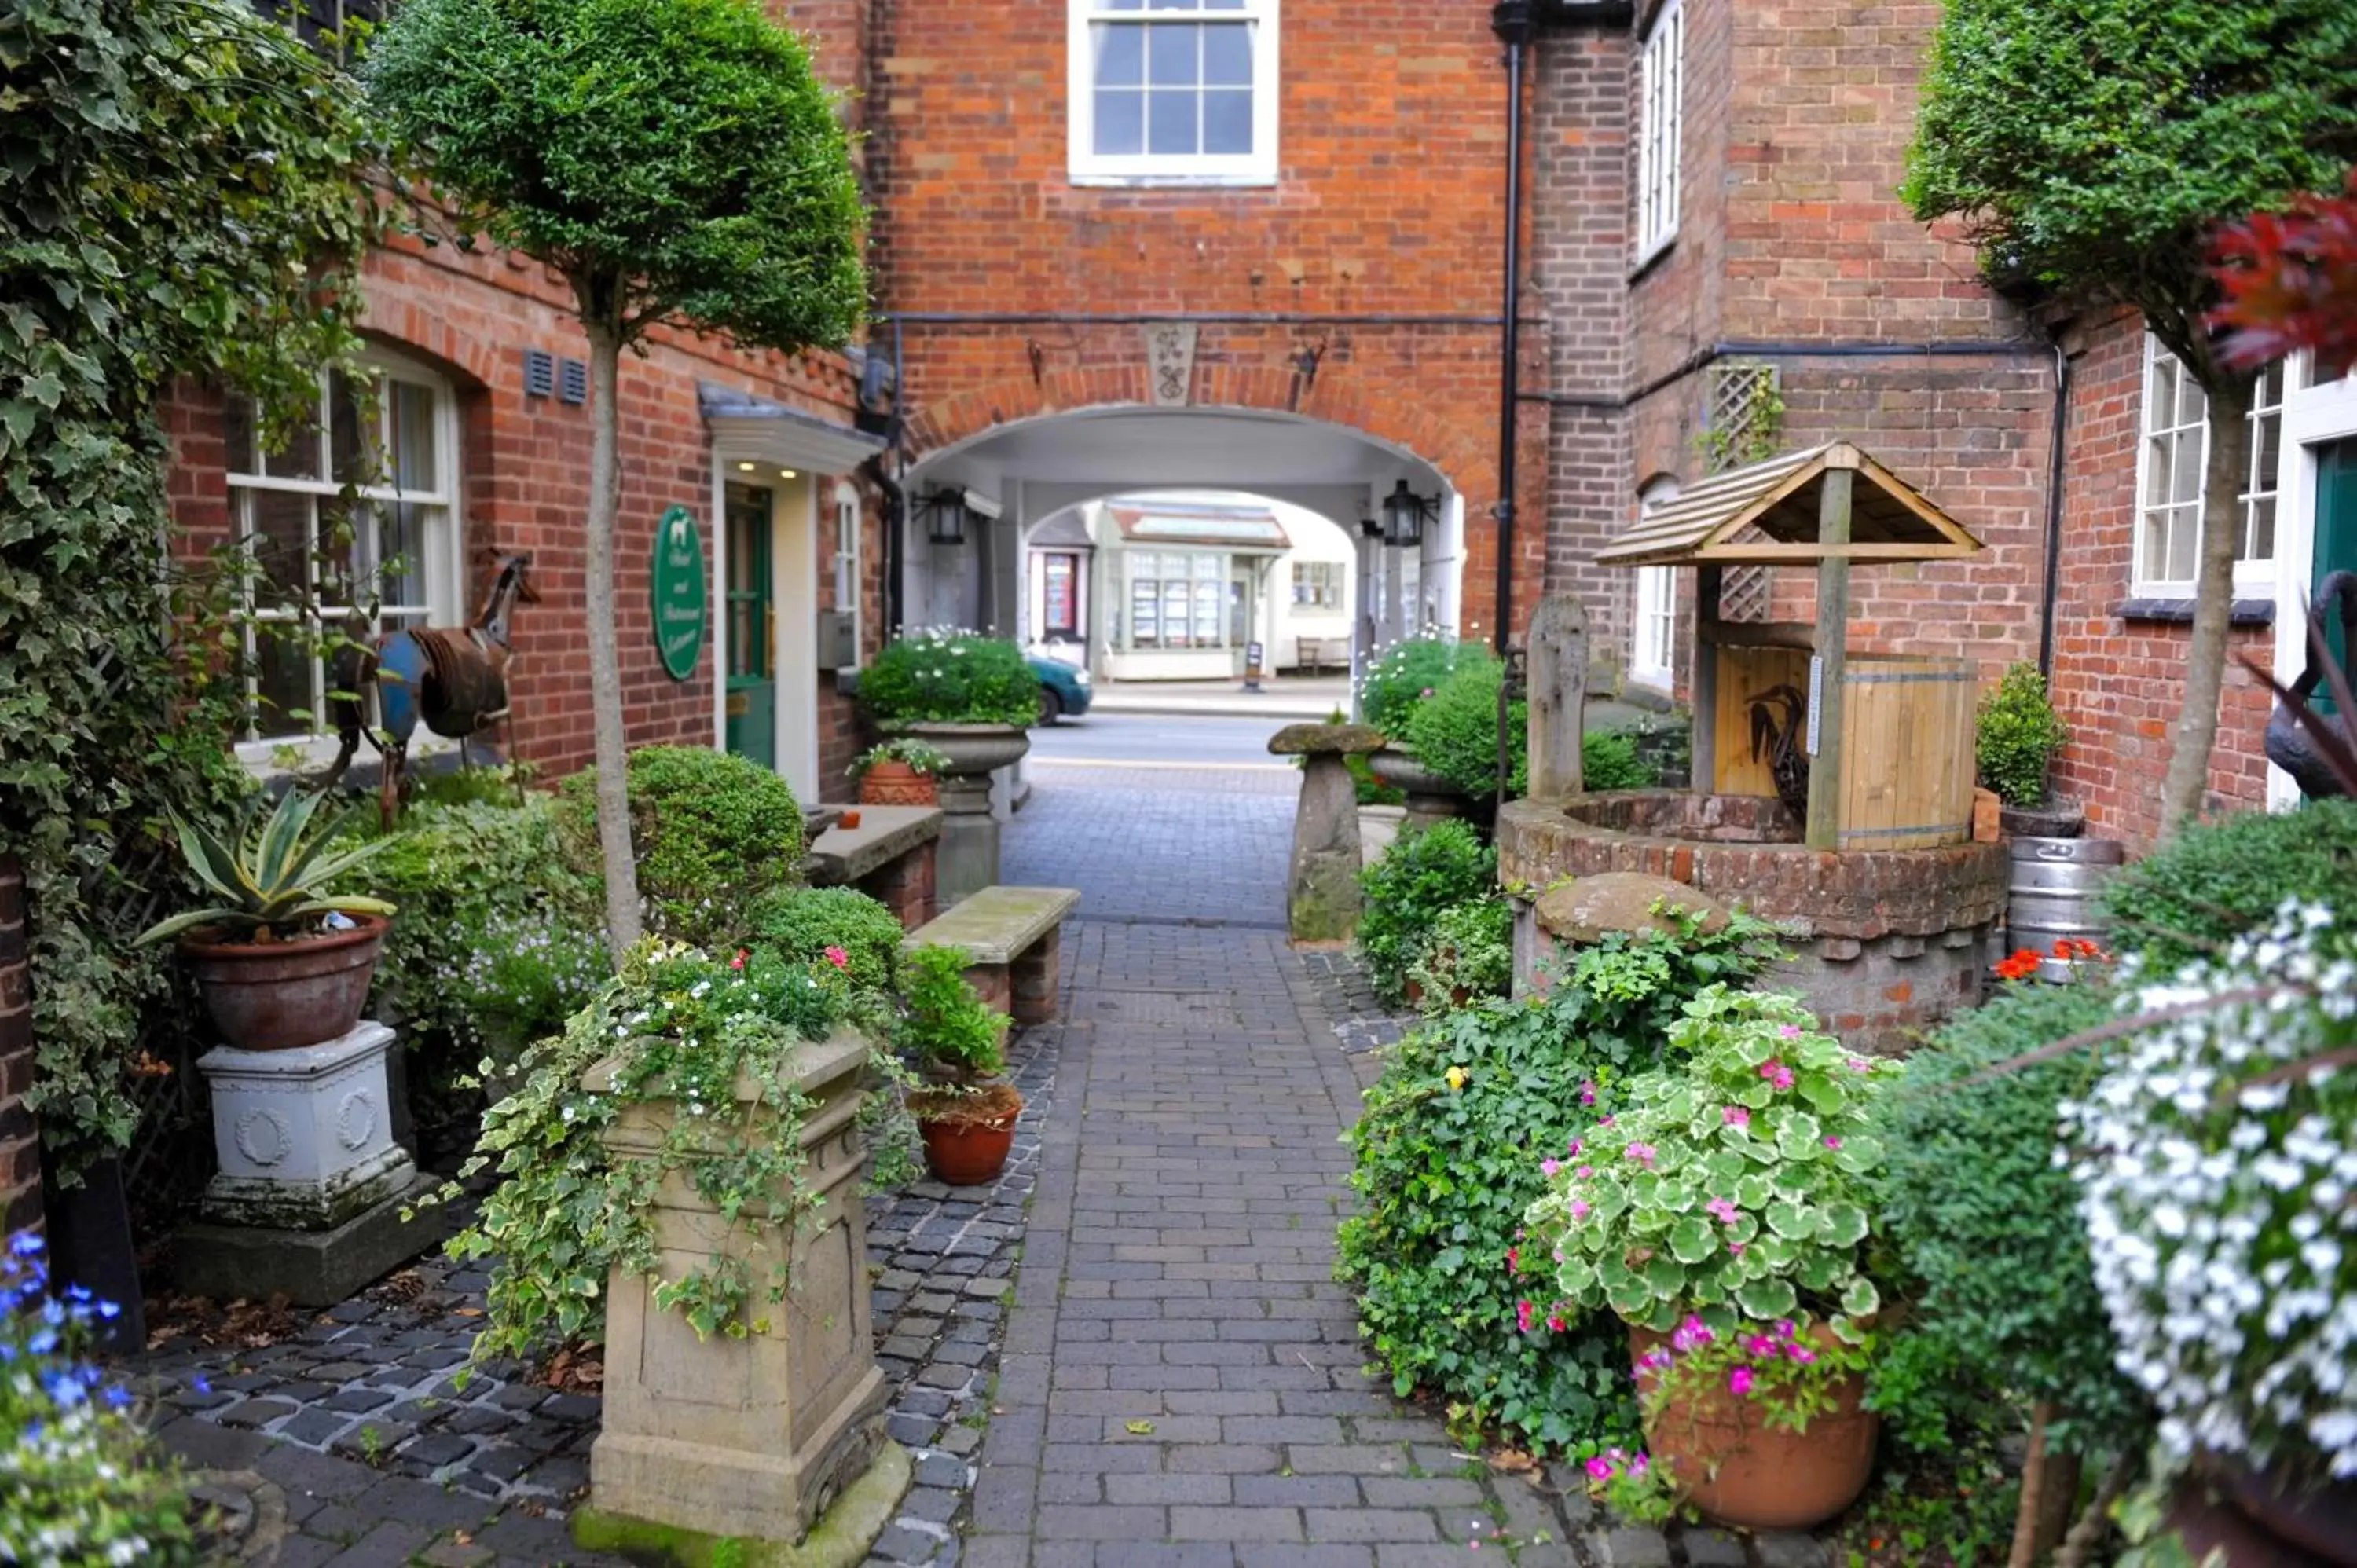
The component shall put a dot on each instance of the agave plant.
(269, 874)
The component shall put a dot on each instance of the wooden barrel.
(2052, 895)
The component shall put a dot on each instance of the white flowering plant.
(79, 1487)
(680, 1027)
(938, 675)
(1731, 1188)
(2217, 1162)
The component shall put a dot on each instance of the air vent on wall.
(539, 372)
(573, 381)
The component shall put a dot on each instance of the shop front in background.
(1188, 590)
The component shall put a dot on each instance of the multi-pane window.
(352, 514)
(846, 556)
(1317, 585)
(1174, 90)
(1175, 598)
(1660, 117)
(1652, 640)
(313, 20)
(2171, 484)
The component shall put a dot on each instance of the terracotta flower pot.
(967, 1138)
(897, 784)
(1743, 1472)
(2319, 1520)
(279, 996)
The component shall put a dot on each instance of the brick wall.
(2118, 684)
(20, 1142)
(1389, 203)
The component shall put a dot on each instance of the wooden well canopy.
(1770, 514)
(1887, 752)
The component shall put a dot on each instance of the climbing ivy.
(184, 195)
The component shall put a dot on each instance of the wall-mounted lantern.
(944, 513)
(1404, 515)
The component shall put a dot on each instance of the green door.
(752, 631)
(2336, 539)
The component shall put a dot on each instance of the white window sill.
(312, 753)
(1173, 181)
(1652, 253)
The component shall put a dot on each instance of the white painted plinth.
(303, 1137)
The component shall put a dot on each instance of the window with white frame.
(1317, 585)
(2170, 482)
(1177, 91)
(1652, 633)
(846, 557)
(355, 514)
(1661, 124)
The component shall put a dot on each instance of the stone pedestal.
(311, 1183)
(755, 1436)
(1322, 894)
(966, 858)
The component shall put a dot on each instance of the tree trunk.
(2226, 474)
(622, 925)
(2050, 1492)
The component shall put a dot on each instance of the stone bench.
(888, 856)
(1013, 941)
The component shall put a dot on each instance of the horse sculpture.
(452, 679)
(2288, 745)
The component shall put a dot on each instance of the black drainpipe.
(2054, 506)
(896, 500)
(1512, 21)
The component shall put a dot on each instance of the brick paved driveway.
(1160, 843)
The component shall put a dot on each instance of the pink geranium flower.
(1514, 1260)
(1587, 1092)
(1776, 1073)
(1556, 1323)
(1600, 1468)
(1790, 1031)
(1579, 1211)
(1832, 1142)
(1734, 1116)
(1738, 1381)
(1643, 1154)
(1574, 1147)
(839, 958)
(1548, 1167)
(1690, 1334)
(1734, 1248)
(1722, 1210)
(1522, 1316)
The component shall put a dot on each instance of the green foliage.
(1608, 760)
(271, 880)
(1472, 949)
(2218, 880)
(802, 923)
(1987, 1230)
(676, 1027)
(950, 678)
(1734, 1185)
(944, 1022)
(2093, 147)
(1371, 791)
(79, 1485)
(1454, 732)
(1406, 672)
(138, 244)
(906, 750)
(677, 160)
(1447, 1160)
(713, 832)
(2016, 736)
(1425, 871)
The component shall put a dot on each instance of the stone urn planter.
(1429, 795)
(754, 1436)
(283, 995)
(967, 859)
(2259, 1518)
(1742, 1472)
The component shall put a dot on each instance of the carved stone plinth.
(303, 1137)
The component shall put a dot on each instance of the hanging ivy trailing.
(185, 195)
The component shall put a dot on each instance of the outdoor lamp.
(945, 516)
(1371, 528)
(1404, 515)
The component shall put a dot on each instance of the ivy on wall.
(185, 194)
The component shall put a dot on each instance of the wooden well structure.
(1888, 737)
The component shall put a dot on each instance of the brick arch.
(962, 417)
(405, 324)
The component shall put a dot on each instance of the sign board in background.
(679, 593)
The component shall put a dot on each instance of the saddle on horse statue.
(453, 679)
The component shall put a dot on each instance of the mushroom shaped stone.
(1325, 739)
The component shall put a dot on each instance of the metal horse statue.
(1778, 741)
(2288, 745)
(453, 679)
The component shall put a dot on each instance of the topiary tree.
(711, 834)
(2094, 148)
(676, 161)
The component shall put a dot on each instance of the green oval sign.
(679, 592)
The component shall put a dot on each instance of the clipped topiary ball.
(713, 833)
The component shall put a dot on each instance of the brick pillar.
(1033, 980)
(20, 1142)
(906, 886)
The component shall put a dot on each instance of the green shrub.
(949, 677)
(2216, 880)
(1371, 791)
(2016, 737)
(944, 1021)
(801, 923)
(1454, 731)
(1447, 1160)
(1472, 949)
(713, 833)
(1406, 672)
(1608, 760)
(1986, 1229)
(1425, 871)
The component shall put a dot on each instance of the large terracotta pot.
(278, 997)
(968, 1146)
(1743, 1472)
(2294, 1525)
(973, 749)
(897, 784)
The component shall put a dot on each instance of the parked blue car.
(1063, 689)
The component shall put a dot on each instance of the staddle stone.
(1321, 739)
